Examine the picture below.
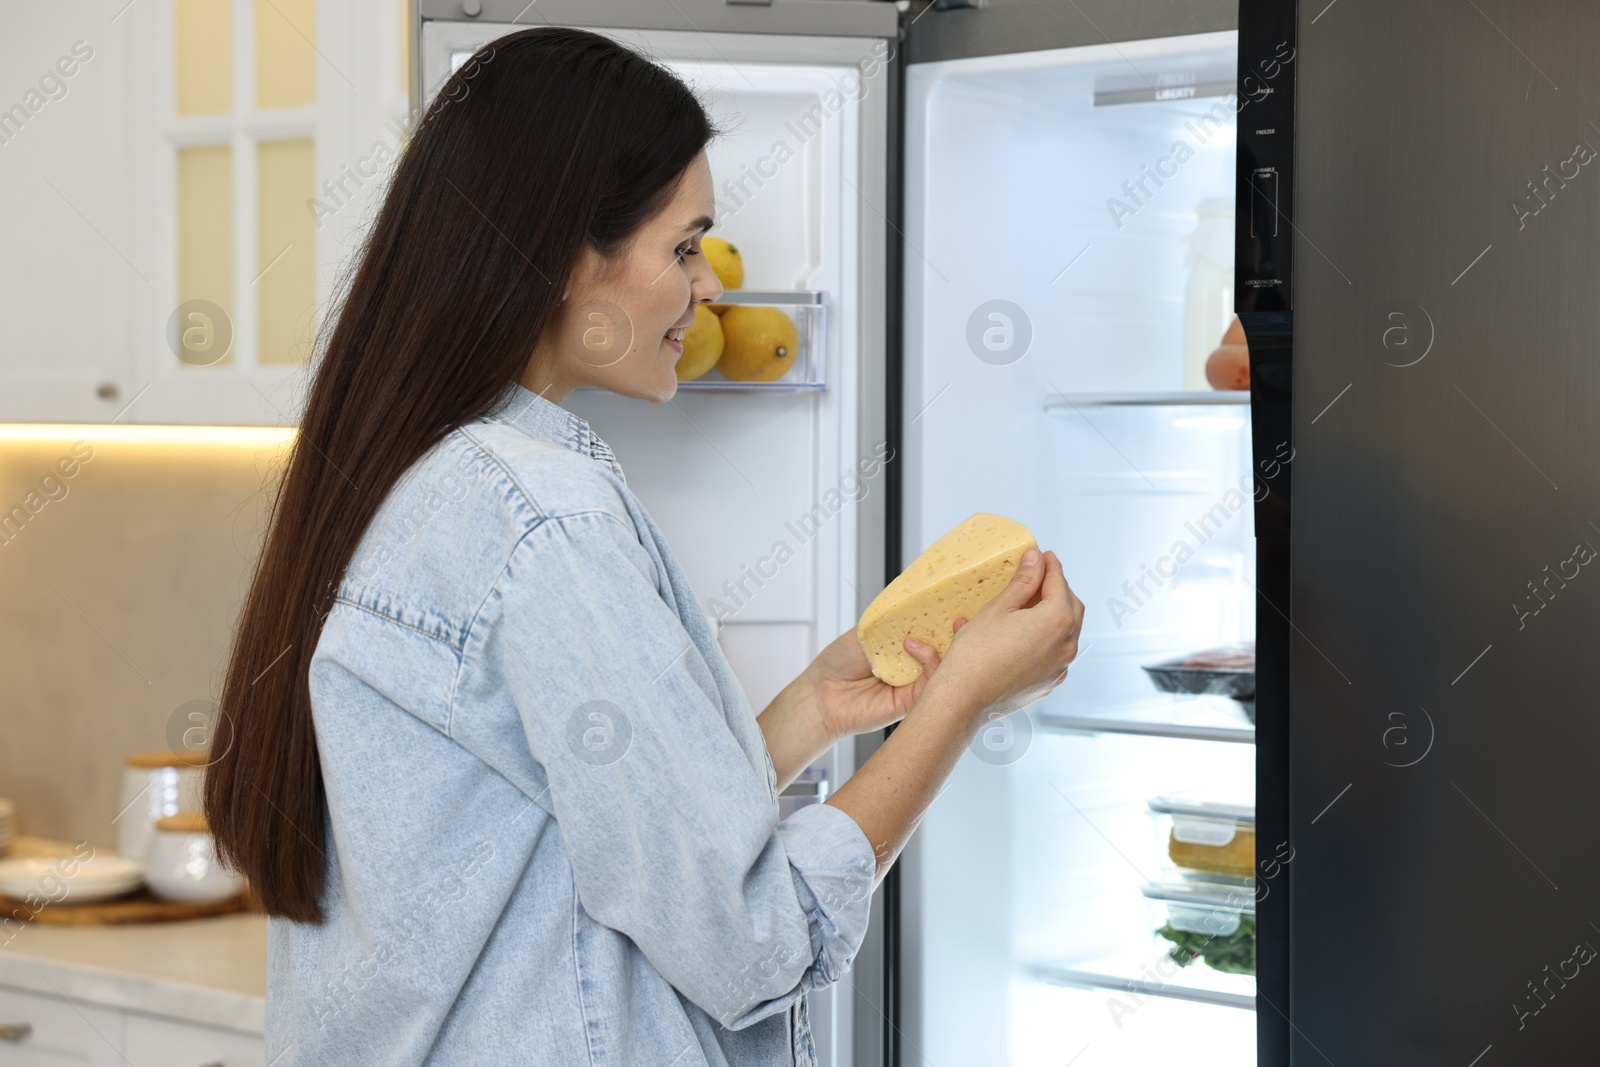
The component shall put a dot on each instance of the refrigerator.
(1011, 236)
(1410, 274)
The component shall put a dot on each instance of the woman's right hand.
(1012, 652)
(1016, 649)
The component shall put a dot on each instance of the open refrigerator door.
(771, 493)
(1068, 267)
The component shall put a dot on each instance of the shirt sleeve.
(668, 820)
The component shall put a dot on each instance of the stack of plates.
(7, 826)
(68, 880)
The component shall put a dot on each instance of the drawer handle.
(14, 1032)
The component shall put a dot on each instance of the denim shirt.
(553, 831)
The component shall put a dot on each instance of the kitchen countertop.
(207, 971)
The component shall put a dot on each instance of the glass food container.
(1207, 834)
(1206, 919)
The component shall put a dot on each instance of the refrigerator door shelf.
(808, 310)
(809, 787)
(782, 297)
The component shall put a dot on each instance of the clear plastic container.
(1208, 294)
(808, 310)
(1206, 920)
(1206, 834)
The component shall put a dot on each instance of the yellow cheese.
(957, 575)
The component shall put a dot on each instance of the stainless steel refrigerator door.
(798, 29)
(805, 441)
(1446, 454)
(830, 18)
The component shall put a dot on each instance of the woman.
(485, 766)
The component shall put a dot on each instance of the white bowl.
(69, 879)
(183, 866)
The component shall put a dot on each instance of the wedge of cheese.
(957, 575)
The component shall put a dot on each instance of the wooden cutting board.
(138, 907)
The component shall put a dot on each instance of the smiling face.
(621, 321)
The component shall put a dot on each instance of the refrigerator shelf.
(1134, 973)
(1066, 402)
(1202, 718)
(808, 310)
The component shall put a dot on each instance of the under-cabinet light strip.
(210, 436)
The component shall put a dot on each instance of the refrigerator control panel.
(1265, 172)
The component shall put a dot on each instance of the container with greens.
(1212, 920)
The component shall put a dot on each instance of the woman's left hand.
(836, 697)
(850, 699)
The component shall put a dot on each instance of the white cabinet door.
(153, 1042)
(45, 1030)
(96, 315)
(69, 273)
(251, 195)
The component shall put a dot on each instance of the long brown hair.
(543, 140)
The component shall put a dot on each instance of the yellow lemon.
(726, 263)
(702, 344)
(759, 344)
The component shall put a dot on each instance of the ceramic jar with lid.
(180, 862)
(155, 785)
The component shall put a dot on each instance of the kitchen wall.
(118, 597)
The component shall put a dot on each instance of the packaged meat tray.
(1227, 671)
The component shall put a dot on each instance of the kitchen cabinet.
(179, 206)
(66, 283)
(178, 994)
(153, 1042)
(45, 1030)
(50, 1030)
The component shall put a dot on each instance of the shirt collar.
(548, 421)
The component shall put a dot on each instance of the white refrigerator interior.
(1069, 252)
(760, 489)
